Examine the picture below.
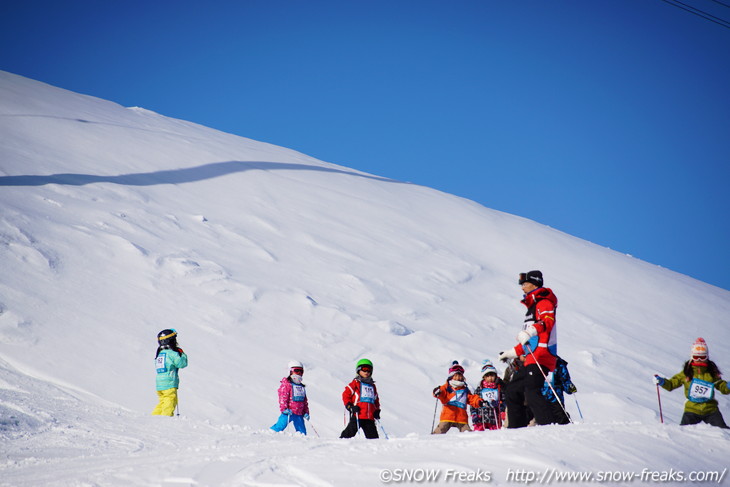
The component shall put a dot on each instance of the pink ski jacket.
(293, 396)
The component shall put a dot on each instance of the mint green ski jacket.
(167, 364)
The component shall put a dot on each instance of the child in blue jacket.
(561, 382)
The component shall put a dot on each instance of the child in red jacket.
(362, 401)
(455, 396)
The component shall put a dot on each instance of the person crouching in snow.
(490, 415)
(361, 400)
(168, 360)
(293, 402)
(700, 378)
(559, 382)
(455, 396)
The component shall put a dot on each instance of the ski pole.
(433, 423)
(382, 429)
(659, 398)
(550, 385)
(498, 410)
(313, 428)
(577, 405)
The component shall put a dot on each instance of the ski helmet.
(167, 337)
(364, 363)
(295, 364)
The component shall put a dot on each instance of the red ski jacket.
(364, 395)
(541, 305)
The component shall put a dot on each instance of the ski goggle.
(523, 278)
(699, 358)
(297, 370)
(366, 368)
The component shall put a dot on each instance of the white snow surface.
(116, 223)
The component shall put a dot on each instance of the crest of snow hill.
(116, 223)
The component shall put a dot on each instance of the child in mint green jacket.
(168, 360)
(701, 379)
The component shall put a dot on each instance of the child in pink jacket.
(293, 402)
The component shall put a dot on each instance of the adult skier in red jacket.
(538, 344)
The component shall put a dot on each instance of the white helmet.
(295, 364)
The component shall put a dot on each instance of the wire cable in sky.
(699, 13)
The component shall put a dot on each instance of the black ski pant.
(367, 426)
(559, 414)
(715, 419)
(524, 391)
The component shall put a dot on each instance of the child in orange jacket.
(455, 396)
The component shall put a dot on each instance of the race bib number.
(160, 363)
(490, 395)
(459, 399)
(701, 390)
(367, 393)
(299, 393)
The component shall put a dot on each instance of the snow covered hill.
(118, 222)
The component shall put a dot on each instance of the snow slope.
(118, 222)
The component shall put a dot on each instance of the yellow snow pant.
(167, 404)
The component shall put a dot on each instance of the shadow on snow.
(173, 176)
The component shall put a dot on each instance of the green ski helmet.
(363, 362)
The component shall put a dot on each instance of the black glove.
(376, 414)
(353, 409)
(437, 392)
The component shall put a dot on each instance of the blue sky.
(608, 120)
